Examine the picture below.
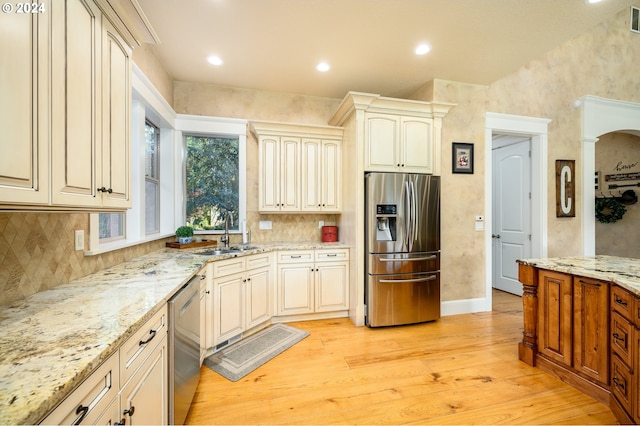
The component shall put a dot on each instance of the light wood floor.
(461, 369)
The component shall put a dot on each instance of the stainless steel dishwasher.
(184, 349)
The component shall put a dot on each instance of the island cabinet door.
(591, 328)
(555, 316)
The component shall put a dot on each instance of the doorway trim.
(599, 116)
(535, 128)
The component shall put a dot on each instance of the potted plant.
(184, 234)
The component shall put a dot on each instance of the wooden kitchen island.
(582, 325)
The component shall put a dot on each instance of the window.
(111, 227)
(212, 181)
(151, 179)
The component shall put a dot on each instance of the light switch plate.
(265, 224)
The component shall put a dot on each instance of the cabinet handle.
(103, 189)
(295, 257)
(122, 422)
(590, 283)
(332, 254)
(619, 383)
(82, 410)
(617, 337)
(130, 411)
(144, 342)
(620, 301)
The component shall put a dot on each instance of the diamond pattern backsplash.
(37, 252)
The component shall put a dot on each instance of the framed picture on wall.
(462, 158)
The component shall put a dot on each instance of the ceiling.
(276, 44)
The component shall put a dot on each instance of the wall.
(147, 60)
(618, 153)
(219, 101)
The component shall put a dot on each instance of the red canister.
(329, 234)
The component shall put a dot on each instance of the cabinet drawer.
(137, 348)
(331, 255)
(87, 403)
(299, 256)
(622, 338)
(623, 302)
(228, 267)
(621, 383)
(258, 260)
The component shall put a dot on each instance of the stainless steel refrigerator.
(402, 220)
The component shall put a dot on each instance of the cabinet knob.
(617, 337)
(130, 411)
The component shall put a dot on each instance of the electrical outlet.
(79, 239)
(320, 223)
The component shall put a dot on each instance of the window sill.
(117, 245)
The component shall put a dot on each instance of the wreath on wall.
(609, 210)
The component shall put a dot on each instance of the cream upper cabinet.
(69, 120)
(24, 154)
(321, 175)
(91, 114)
(397, 143)
(300, 167)
(279, 174)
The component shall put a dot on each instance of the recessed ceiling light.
(593, 1)
(215, 60)
(323, 67)
(423, 49)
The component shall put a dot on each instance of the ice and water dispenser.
(386, 220)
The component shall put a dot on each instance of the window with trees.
(212, 181)
(151, 179)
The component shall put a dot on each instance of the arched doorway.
(600, 116)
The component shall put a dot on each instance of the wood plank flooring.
(461, 369)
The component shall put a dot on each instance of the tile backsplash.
(37, 252)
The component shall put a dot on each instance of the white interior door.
(511, 232)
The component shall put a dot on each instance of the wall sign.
(565, 188)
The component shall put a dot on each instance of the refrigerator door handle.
(411, 259)
(414, 215)
(419, 280)
(407, 222)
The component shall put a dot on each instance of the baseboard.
(465, 306)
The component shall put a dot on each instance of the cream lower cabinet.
(130, 387)
(242, 295)
(311, 281)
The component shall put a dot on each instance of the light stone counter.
(51, 341)
(620, 270)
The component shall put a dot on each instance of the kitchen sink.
(226, 250)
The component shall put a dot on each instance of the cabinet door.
(331, 176)
(228, 307)
(259, 296)
(416, 147)
(209, 339)
(269, 174)
(382, 138)
(289, 174)
(144, 399)
(554, 316)
(203, 318)
(332, 289)
(591, 328)
(115, 183)
(311, 175)
(24, 153)
(295, 288)
(75, 124)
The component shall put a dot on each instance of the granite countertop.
(620, 270)
(51, 341)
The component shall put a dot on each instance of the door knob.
(495, 236)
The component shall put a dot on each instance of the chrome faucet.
(225, 238)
